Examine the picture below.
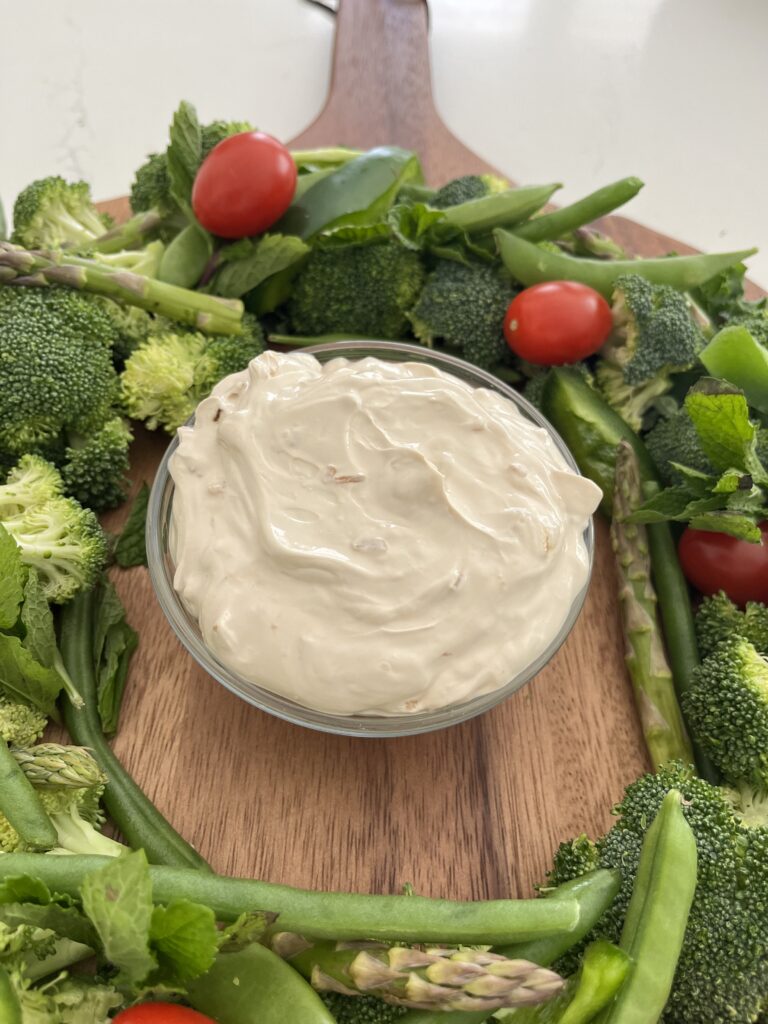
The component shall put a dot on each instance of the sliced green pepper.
(737, 357)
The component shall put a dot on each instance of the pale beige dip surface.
(373, 537)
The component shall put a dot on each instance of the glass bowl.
(161, 570)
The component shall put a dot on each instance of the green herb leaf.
(24, 678)
(66, 922)
(184, 154)
(118, 900)
(131, 546)
(114, 641)
(720, 415)
(24, 889)
(185, 259)
(12, 574)
(255, 262)
(731, 523)
(37, 619)
(185, 940)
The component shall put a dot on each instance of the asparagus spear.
(43, 267)
(52, 764)
(425, 978)
(660, 715)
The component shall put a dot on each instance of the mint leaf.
(118, 900)
(66, 922)
(23, 678)
(720, 415)
(24, 889)
(185, 940)
(255, 262)
(731, 523)
(675, 503)
(131, 547)
(184, 154)
(12, 574)
(37, 619)
(114, 641)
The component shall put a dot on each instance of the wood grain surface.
(473, 811)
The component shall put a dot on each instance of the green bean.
(10, 1011)
(133, 812)
(529, 264)
(329, 915)
(597, 204)
(21, 805)
(654, 927)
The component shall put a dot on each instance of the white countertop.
(578, 91)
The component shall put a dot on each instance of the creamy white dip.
(373, 537)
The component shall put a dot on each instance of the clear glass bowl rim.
(371, 726)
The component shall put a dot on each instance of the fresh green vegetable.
(722, 973)
(530, 264)
(559, 223)
(114, 642)
(363, 289)
(186, 257)
(94, 467)
(138, 819)
(50, 267)
(10, 1009)
(674, 441)
(368, 1010)
(51, 213)
(23, 821)
(131, 546)
(657, 915)
(249, 263)
(651, 675)
(466, 188)
(309, 160)
(166, 377)
(464, 307)
(735, 355)
(718, 619)
(448, 979)
(727, 706)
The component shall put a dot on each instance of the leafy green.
(11, 580)
(184, 938)
(114, 641)
(184, 154)
(249, 262)
(37, 620)
(131, 546)
(24, 679)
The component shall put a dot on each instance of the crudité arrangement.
(655, 372)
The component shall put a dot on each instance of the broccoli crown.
(755, 320)
(361, 1009)
(719, 619)
(174, 369)
(469, 186)
(20, 725)
(56, 371)
(94, 468)
(356, 289)
(727, 708)
(51, 213)
(30, 482)
(63, 543)
(655, 333)
(631, 401)
(464, 307)
(722, 973)
(215, 132)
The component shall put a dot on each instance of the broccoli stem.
(328, 915)
(446, 978)
(135, 815)
(550, 226)
(21, 805)
(39, 268)
(132, 233)
(657, 706)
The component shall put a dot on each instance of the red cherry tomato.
(557, 322)
(715, 561)
(244, 185)
(161, 1013)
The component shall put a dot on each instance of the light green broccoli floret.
(464, 306)
(631, 401)
(719, 619)
(30, 482)
(363, 289)
(20, 725)
(94, 468)
(726, 707)
(51, 213)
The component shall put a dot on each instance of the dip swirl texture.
(373, 537)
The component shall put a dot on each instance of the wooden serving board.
(475, 811)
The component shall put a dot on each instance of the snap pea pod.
(328, 915)
(21, 805)
(654, 927)
(498, 209)
(603, 970)
(529, 264)
(550, 226)
(254, 986)
(10, 1011)
(185, 259)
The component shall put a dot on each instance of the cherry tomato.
(244, 185)
(557, 322)
(161, 1013)
(715, 561)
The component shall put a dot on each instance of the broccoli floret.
(132, 325)
(361, 1009)
(94, 467)
(56, 371)
(755, 320)
(727, 709)
(469, 186)
(356, 289)
(722, 973)
(20, 725)
(464, 307)
(573, 859)
(30, 482)
(173, 370)
(62, 542)
(51, 213)
(718, 619)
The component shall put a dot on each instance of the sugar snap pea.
(530, 264)
(656, 919)
(583, 211)
(21, 805)
(185, 259)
